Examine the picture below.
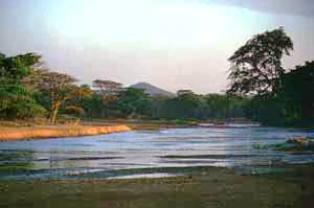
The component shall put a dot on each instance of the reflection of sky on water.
(57, 158)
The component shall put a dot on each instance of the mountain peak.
(152, 90)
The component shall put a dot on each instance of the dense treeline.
(293, 103)
(260, 89)
(29, 90)
(278, 96)
(135, 103)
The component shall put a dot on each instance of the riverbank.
(202, 187)
(26, 130)
(136, 124)
(58, 131)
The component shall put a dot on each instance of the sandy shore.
(42, 132)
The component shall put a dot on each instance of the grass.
(19, 130)
(208, 187)
(45, 131)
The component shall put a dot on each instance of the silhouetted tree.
(297, 90)
(256, 66)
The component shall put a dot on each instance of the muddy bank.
(204, 187)
(42, 132)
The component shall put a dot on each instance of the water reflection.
(105, 156)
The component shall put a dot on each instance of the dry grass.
(40, 129)
(34, 132)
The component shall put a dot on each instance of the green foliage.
(293, 103)
(17, 102)
(103, 102)
(16, 98)
(134, 102)
(57, 90)
(188, 105)
(94, 106)
(27, 109)
(15, 68)
(28, 91)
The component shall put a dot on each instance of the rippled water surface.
(129, 154)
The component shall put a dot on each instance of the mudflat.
(202, 187)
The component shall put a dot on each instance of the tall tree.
(109, 91)
(57, 88)
(16, 98)
(256, 66)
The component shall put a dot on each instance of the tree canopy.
(16, 99)
(298, 90)
(256, 66)
(57, 88)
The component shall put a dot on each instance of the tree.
(293, 104)
(187, 105)
(77, 104)
(217, 106)
(298, 92)
(256, 66)
(184, 92)
(94, 106)
(57, 88)
(134, 102)
(190, 105)
(16, 98)
(109, 91)
(107, 87)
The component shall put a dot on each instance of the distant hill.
(152, 90)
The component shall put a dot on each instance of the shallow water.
(147, 152)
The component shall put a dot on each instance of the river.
(148, 153)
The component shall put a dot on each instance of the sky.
(173, 44)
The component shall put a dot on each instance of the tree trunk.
(55, 109)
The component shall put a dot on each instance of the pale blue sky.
(175, 44)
